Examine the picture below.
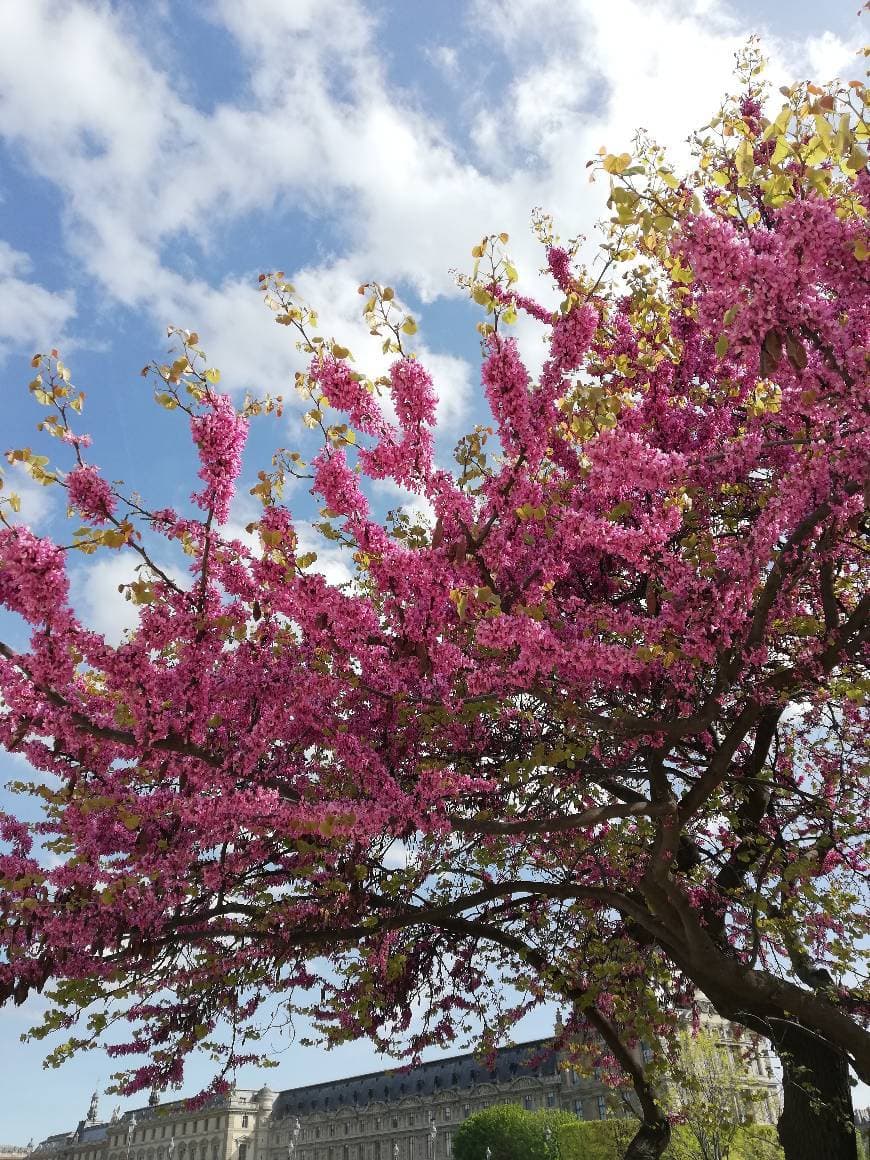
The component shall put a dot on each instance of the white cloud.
(396, 496)
(322, 128)
(445, 58)
(95, 595)
(334, 562)
(830, 56)
(38, 503)
(31, 317)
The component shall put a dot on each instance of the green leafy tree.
(599, 1140)
(509, 1132)
(504, 1132)
(714, 1094)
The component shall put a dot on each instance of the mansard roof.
(458, 1072)
(58, 1140)
(92, 1133)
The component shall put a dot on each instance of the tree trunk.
(650, 1141)
(817, 1120)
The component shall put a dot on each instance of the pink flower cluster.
(338, 485)
(413, 394)
(346, 393)
(220, 436)
(90, 495)
(572, 334)
(508, 392)
(559, 262)
(33, 580)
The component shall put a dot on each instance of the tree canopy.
(592, 727)
(510, 1132)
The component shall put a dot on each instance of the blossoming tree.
(606, 703)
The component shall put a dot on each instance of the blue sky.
(156, 155)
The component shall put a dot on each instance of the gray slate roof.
(459, 1072)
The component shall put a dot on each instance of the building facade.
(386, 1115)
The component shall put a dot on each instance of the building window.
(602, 1108)
(466, 1109)
(527, 1101)
(244, 1121)
(243, 1152)
(448, 1112)
(578, 1108)
(551, 1099)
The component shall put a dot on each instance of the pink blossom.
(559, 262)
(338, 485)
(90, 494)
(572, 334)
(219, 434)
(33, 579)
(508, 392)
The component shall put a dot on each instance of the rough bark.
(650, 1141)
(817, 1120)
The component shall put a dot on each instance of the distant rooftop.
(426, 1079)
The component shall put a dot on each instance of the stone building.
(385, 1115)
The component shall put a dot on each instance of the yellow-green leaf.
(616, 163)
(744, 158)
(856, 160)
(782, 149)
